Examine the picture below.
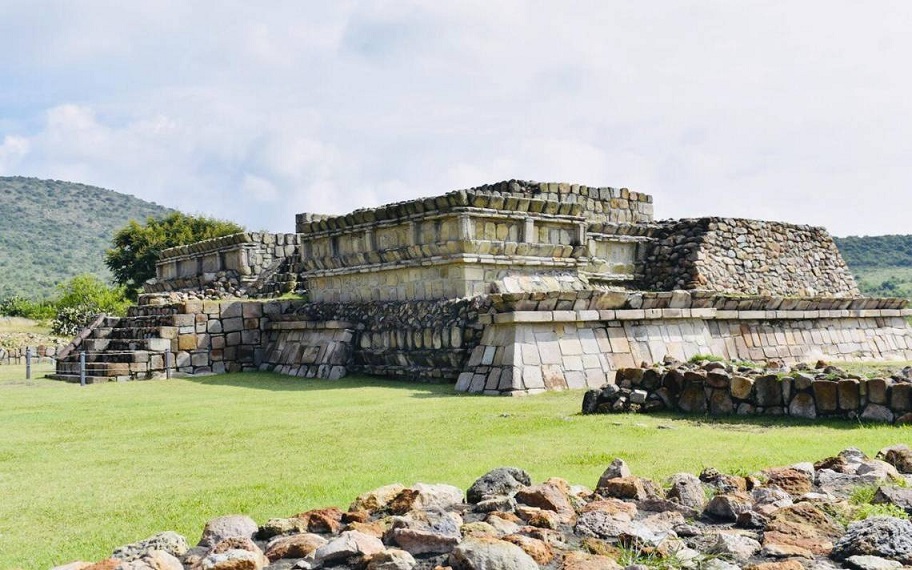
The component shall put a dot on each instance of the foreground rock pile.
(805, 515)
(722, 388)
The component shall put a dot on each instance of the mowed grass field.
(83, 470)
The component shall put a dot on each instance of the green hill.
(52, 230)
(881, 264)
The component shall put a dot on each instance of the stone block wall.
(237, 264)
(214, 336)
(528, 331)
(722, 389)
(308, 349)
(420, 340)
(747, 257)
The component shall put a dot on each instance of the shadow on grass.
(279, 383)
(754, 423)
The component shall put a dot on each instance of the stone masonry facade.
(510, 288)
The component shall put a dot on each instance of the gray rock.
(490, 554)
(740, 548)
(877, 413)
(599, 524)
(864, 562)
(718, 564)
(638, 397)
(154, 560)
(231, 559)
(218, 529)
(902, 498)
(500, 481)
(170, 542)
(503, 503)
(422, 532)
(687, 490)
(393, 559)
(617, 468)
(347, 545)
(887, 537)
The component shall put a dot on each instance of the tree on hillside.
(137, 246)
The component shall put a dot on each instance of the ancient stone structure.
(511, 288)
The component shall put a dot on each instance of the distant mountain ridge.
(881, 264)
(52, 230)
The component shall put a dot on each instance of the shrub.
(83, 297)
(17, 306)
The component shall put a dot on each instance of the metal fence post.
(28, 363)
(168, 363)
(82, 368)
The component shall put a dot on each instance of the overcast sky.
(253, 111)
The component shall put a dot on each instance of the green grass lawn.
(83, 470)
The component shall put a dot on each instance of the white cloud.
(760, 109)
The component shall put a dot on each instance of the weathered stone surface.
(886, 537)
(687, 490)
(218, 529)
(803, 406)
(490, 554)
(867, 562)
(802, 530)
(500, 481)
(618, 468)
(634, 488)
(901, 497)
(899, 456)
(539, 550)
(170, 542)
(422, 496)
(154, 560)
(233, 559)
(547, 496)
(293, 546)
(727, 506)
(349, 544)
(584, 561)
(740, 548)
(392, 559)
(375, 500)
(426, 531)
(877, 413)
(826, 395)
(790, 480)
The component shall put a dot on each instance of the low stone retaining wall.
(719, 388)
(576, 339)
(784, 518)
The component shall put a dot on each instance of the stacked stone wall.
(747, 257)
(717, 388)
(244, 264)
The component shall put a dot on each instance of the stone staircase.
(123, 348)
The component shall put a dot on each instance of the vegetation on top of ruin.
(136, 246)
(51, 231)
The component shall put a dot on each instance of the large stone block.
(826, 395)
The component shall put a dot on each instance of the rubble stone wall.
(747, 257)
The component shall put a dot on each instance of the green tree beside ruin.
(136, 246)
